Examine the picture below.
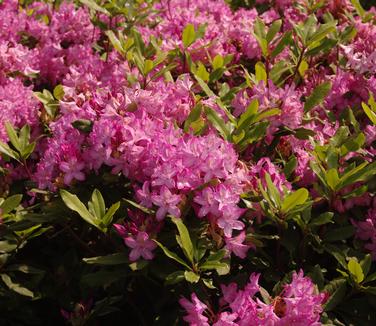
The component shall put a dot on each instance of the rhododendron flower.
(194, 311)
(141, 245)
(298, 304)
(167, 203)
(235, 245)
(72, 170)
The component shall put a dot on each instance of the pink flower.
(229, 219)
(235, 245)
(167, 203)
(72, 170)
(194, 311)
(141, 246)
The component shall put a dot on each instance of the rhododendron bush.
(187, 162)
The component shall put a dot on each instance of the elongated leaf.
(318, 95)
(339, 233)
(59, 92)
(358, 7)
(185, 239)
(285, 40)
(13, 137)
(114, 259)
(337, 290)
(93, 5)
(107, 218)
(172, 255)
(189, 35)
(294, 199)
(251, 111)
(273, 191)
(261, 72)
(76, 205)
(273, 30)
(193, 116)
(366, 264)
(191, 277)
(217, 122)
(370, 114)
(332, 179)
(5, 149)
(322, 219)
(115, 42)
(356, 270)
(98, 204)
(175, 277)
(10, 203)
(16, 287)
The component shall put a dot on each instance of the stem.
(298, 65)
(24, 163)
(79, 240)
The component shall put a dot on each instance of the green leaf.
(107, 218)
(366, 264)
(16, 287)
(141, 208)
(261, 72)
(59, 92)
(12, 134)
(267, 114)
(303, 67)
(24, 137)
(337, 290)
(273, 191)
(5, 149)
(115, 42)
(94, 6)
(175, 277)
(185, 239)
(370, 114)
(358, 7)
(172, 255)
(273, 30)
(290, 166)
(189, 35)
(208, 265)
(250, 112)
(10, 204)
(191, 277)
(201, 72)
(360, 173)
(294, 199)
(113, 259)
(339, 233)
(259, 28)
(356, 270)
(72, 202)
(99, 207)
(218, 62)
(318, 95)
(332, 179)
(193, 116)
(83, 125)
(148, 66)
(285, 40)
(370, 278)
(321, 33)
(260, 35)
(322, 219)
(217, 122)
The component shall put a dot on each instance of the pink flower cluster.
(298, 304)
(137, 131)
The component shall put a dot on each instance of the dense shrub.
(187, 161)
